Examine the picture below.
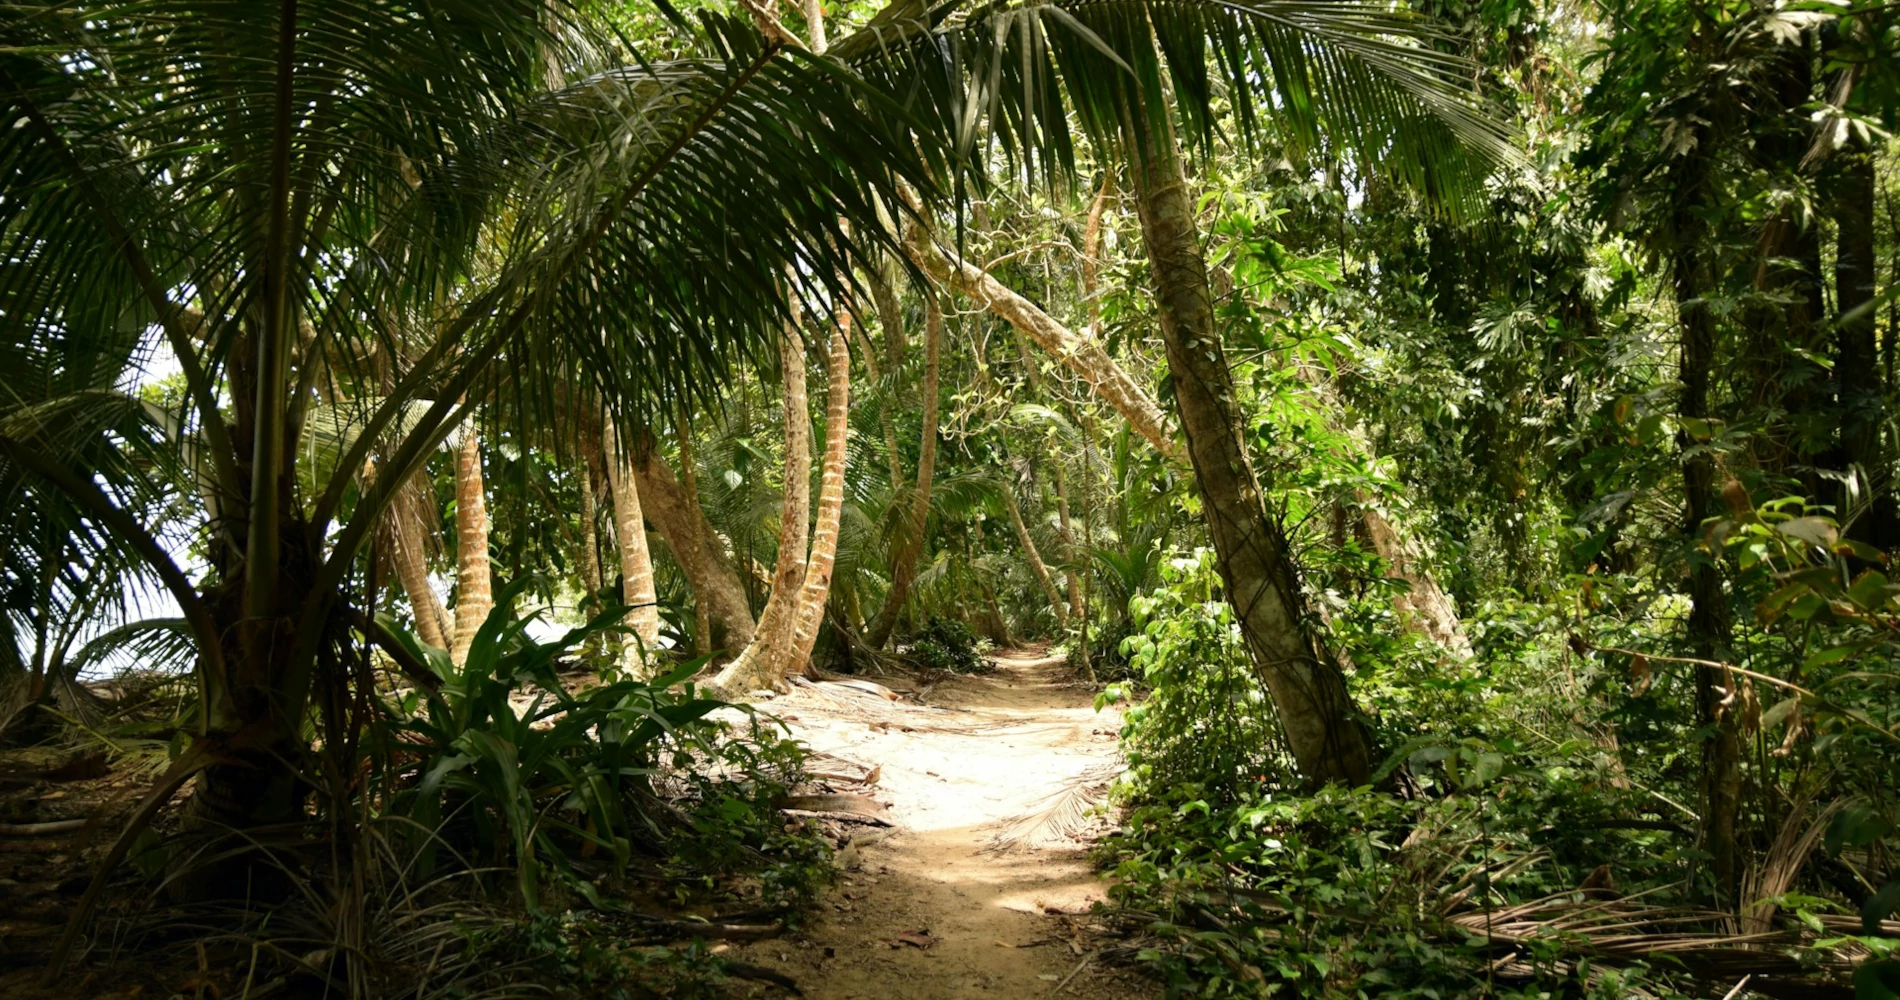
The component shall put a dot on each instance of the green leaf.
(1855, 826)
(1879, 906)
(1833, 654)
(1878, 980)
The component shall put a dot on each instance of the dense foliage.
(1457, 436)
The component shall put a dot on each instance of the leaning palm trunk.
(1064, 531)
(1034, 557)
(910, 544)
(697, 549)
(636, 561)
(1083, 355)
(1307, 686)
(474, 591)
(405, 529)
(760, 664)
(816, 591)
(1424, 606)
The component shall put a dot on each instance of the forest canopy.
(457, 456)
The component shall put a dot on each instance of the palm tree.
(1345, 77)
(278, 189)
(815, 591)
(636, 562)
(910, 531)
(474, 586)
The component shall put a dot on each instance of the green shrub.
(948, 644)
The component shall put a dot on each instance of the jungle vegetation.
(1459, 433)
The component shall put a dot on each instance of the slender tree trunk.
(1424, 605)
(1708, 612)
(759, 664)
(406, 530)
(1036, 565)
(589, 555)
(689, 484)
(1322, 727)
(1856, 361)
(1092, 255)
(816, 590)
(1082, 355)
(636, 560)
(474, 589)
(697, 549)
(1060, 482)
(910, 542)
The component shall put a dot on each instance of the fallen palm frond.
(1062, 817)
(1574, 927)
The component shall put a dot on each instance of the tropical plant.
(285, 194)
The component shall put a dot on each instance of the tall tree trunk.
(1708, 611)
(1034, 556)
(689, 484)
(1059, 480)
(474, 589)
(697, 549)
(1083, 355)
(406, 531)
(1424, 605)
(759, 664)
(636, 561)
(1856, 364)
(1322, 728)
(816, 590)
(589, 555)
(910, 542)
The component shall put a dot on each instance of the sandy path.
(986, 752)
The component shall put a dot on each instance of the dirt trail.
(987, 780)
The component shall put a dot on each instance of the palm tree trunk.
(1064, 530)
(590, 534)
(1036, 565)
(589, 557)
(758, 665)
(1308, 688)
(1856, 361)
(636, 561)
(1424, 605)
(697, 549)
(1708, 605)
(474, 590)
(816, 590)
(910, 543)
(405, 531)
(689, 484)
(1083, 355)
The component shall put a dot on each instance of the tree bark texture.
(760, 663)
(696, 548)
(1708, 612)
(408, 532)
(1322, 728)
(474, 588)
(816, 589)
(910, 539)
(1856, 361)
(1082, 355)
(689, 484)
(1034, 557)
(637, 591)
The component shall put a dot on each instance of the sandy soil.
(983, 873)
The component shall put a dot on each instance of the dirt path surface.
(980, 887)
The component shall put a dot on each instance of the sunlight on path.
(1016, 751)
